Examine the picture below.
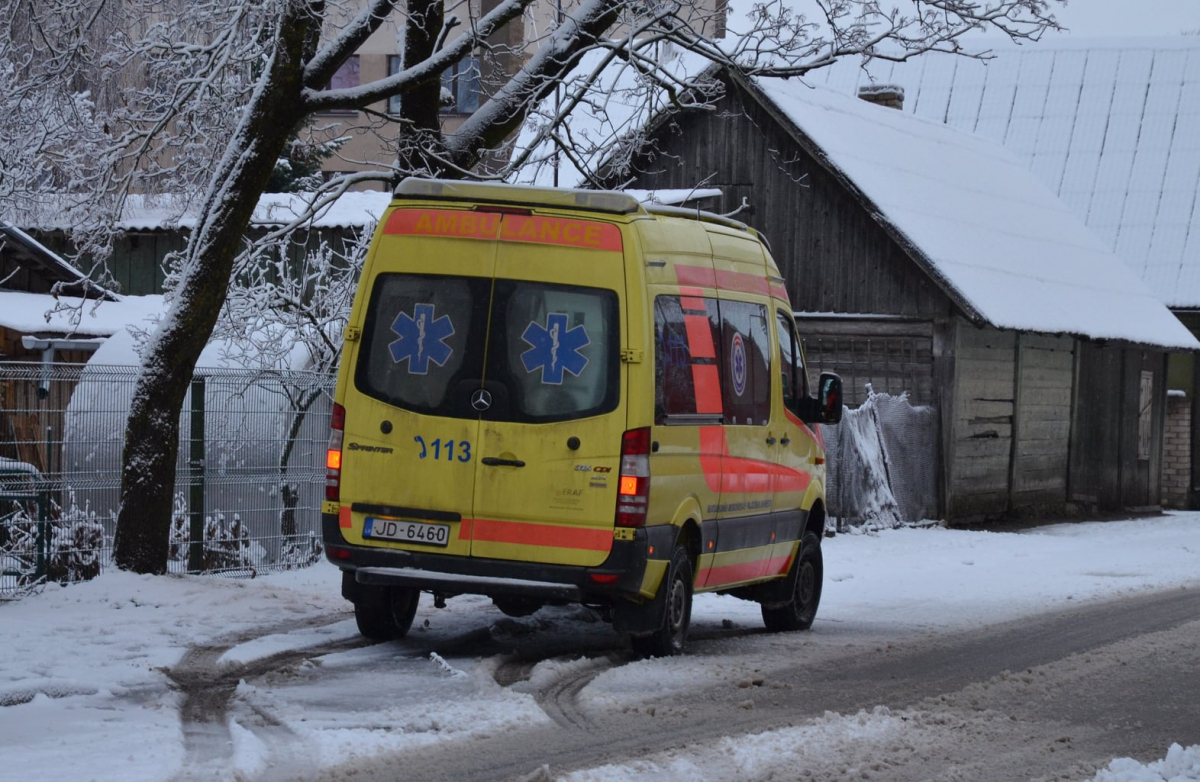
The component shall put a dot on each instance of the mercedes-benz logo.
(481, 400)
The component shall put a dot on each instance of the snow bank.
(1180, 765)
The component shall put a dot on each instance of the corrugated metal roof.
(1112, 126)
(995, 238)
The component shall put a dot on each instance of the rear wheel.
(383, 613)
(671, 634)
(801, 609)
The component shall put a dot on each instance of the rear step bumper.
(454, 582)
(620, 575)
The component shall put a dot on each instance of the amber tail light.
(333, 457)
(633, 487)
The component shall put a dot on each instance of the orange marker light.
(629, 484)
(333, 460)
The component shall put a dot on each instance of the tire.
(385, 613)
(800, 611)
(671, 635)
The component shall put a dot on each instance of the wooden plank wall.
(893, 357)
(1046, 378)
(832, 253)
(982, 435)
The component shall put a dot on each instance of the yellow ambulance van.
(565, 396)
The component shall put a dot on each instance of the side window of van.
(792, 365)
(687, 339)
(745, 364)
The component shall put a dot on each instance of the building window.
(460, 86)
(346, 77)
(393, 69)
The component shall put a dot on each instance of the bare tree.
(199, 99)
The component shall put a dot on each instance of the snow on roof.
(1112, 126)
(50, 260)
(990, 231)
(27, 313)
(673, 197)
(156, 213)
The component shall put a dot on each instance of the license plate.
(407, 531)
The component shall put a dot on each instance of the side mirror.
(829, 398)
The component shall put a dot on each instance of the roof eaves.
(64, 274)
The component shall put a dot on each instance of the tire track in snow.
(560, 698)
(208, 687)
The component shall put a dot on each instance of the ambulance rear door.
(552, 407)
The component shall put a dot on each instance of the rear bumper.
(620, 575)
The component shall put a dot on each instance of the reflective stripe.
(707, 387)
(739, 282)
(726, 473)
(744, 571)
(529, 534)
(344, 520)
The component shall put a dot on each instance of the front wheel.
(671, 634)
(383, 613)
(801, 609)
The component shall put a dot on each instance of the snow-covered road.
(93, 677)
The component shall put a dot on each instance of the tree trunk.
(420, 106)
(152, 433)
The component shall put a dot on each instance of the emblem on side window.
(481, 399)
(737, 362)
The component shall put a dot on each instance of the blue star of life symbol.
(555, 348)
(422, 339)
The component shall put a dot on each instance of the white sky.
(1124, 17)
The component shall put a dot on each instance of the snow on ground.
(84, 692)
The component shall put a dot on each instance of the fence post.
(43, 533)
(196, 475)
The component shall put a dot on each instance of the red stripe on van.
(344, 517)
(462, 224)
(739, 282)
(732, 574)
(702, 276)
(724, 472)
(779, 291)
(706, 384)
(528, 534)
(699, 336)
(743, 283)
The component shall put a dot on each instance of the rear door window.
(556, 351)
(551, 352)
(424, 340)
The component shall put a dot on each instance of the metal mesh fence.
(248, 481)
(883, 464)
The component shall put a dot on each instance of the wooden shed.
(928, 261)
(151, 230)
(1110, 125)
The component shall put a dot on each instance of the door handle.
(770, 441)
(492, 461)
(786, 441)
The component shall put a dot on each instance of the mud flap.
(641, 618)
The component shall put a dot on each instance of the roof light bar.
(523, 195)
